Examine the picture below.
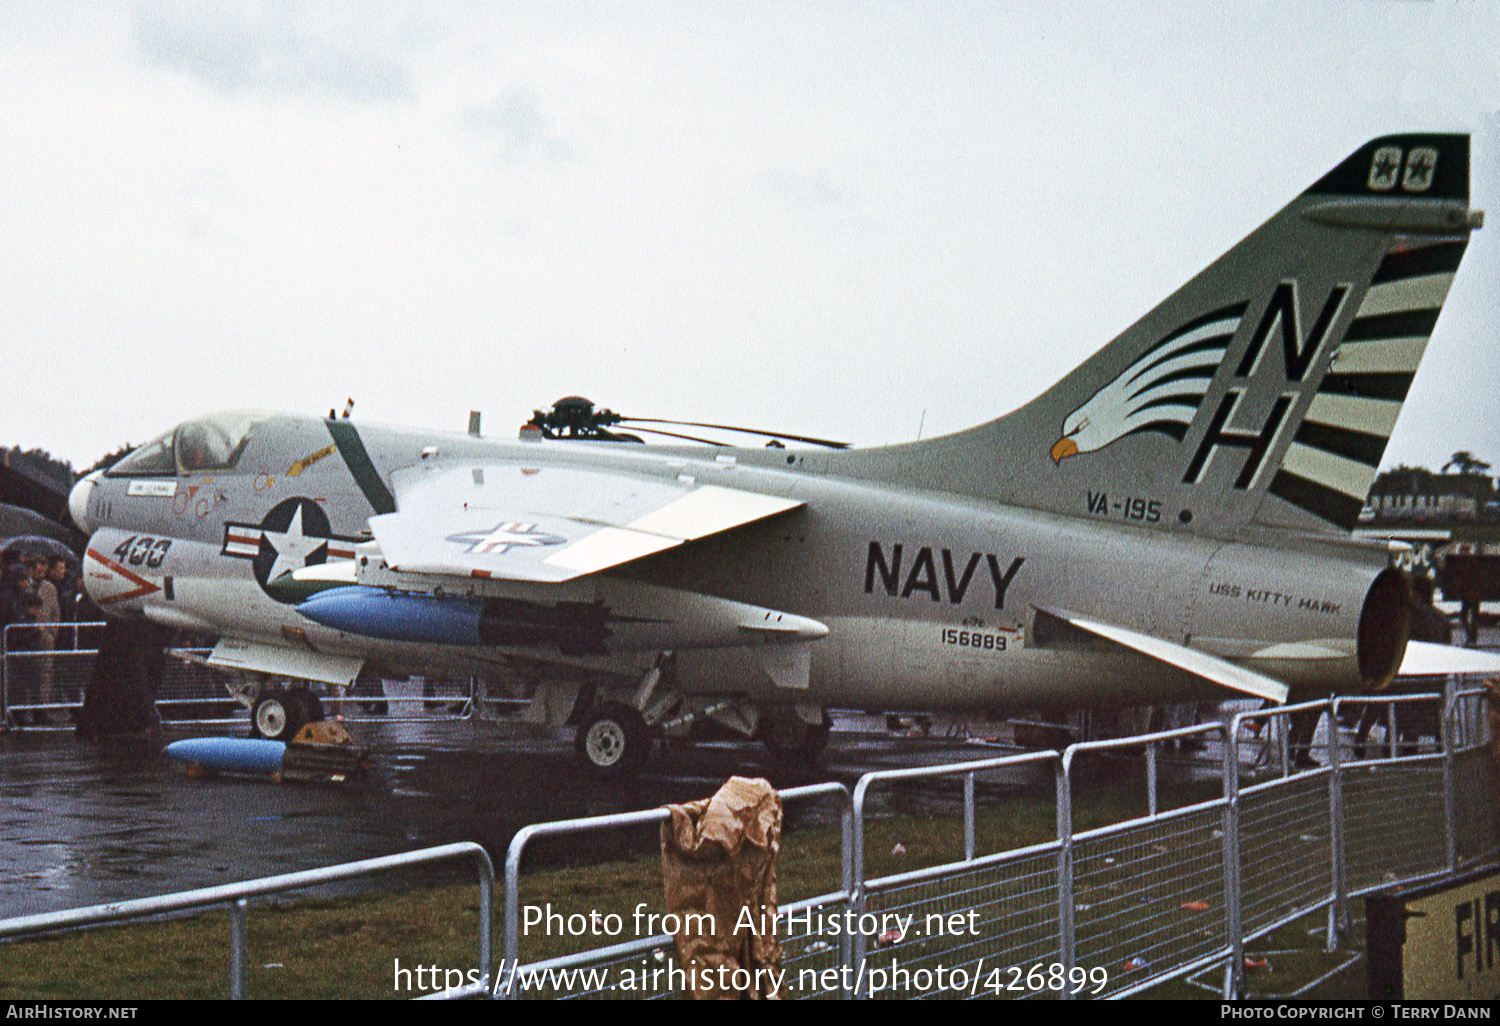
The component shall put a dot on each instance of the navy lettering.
(956, 589)
(889, 574)
(1002, 581)
(928, 582)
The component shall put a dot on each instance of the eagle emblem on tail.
(1160, 391)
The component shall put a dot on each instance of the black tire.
(787, 737)
(304, 707)
(277, 715)
(312, 705)
(613, 741)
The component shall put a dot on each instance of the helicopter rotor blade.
(686, 438)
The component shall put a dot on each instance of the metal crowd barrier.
(48, 684)
(1012, 894)
(1146, 900)
(613, 956)
(1104, 912)
(237, 896)
(1117, 910)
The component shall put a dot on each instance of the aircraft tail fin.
(1264, 390)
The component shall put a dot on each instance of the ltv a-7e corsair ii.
(1170, 522)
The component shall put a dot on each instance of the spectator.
(50, 611)
(47, 613)
(21, 606)
(66, 584)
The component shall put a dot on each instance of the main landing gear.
(622, 724)
(613, 741)
(278, 714)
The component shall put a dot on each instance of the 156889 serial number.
(981, 640)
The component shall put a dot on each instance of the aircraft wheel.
(303, 707)
(312, 705)
(787, 737)
(613, 741)
(276, 716)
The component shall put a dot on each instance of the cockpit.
(212, 443)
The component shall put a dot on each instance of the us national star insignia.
(500, 539)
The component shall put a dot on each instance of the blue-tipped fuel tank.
(624, 616)
(397, 616)
(576, 628)
(322, 761)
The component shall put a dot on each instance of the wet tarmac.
(82, 825)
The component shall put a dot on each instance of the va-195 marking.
(1229, 436)
(1126, 507)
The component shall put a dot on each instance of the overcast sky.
(855, 220)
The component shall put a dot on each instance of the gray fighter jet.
(1170, 522)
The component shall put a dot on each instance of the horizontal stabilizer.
(1425, 659)
(1199, 664)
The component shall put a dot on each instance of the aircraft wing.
(1425, 659)
(1199, 664)
(549, 524)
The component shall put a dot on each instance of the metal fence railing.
(596, 970)
(1006, 902)
(44, 687)
(237, 896)
(1112, 910)
(1116, 910)
(1150, 897)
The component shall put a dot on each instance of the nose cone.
(78, 502)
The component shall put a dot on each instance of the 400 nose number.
(137, 550)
